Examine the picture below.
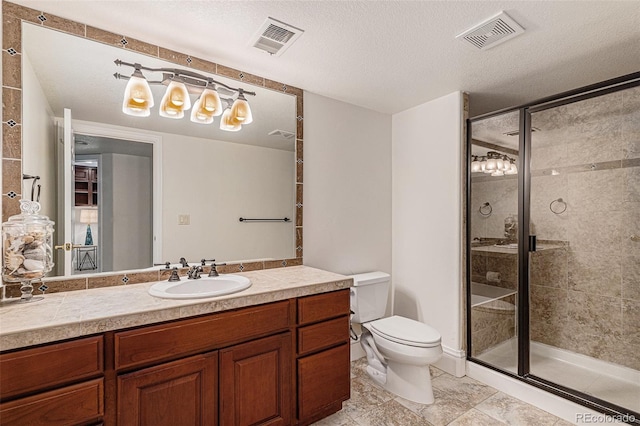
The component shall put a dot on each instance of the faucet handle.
(174, 275)
(167, 265)
(203, 261)
(184, 262)
(214, 271)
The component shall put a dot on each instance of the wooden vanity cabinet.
(56, 384)
(323, 355)
(281, 363)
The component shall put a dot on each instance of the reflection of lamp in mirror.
(175, 101)
(138, 99)
(494, 163)
(241, 111)
(227, 122)
(88, 216)
(207, 106)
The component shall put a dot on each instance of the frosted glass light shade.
(200, 114)
(136, 109)
(491, 165)
(211, 102)
(240, 110)
(228, 123)
(138, 98)
(497, 173)
(207, 106)
(476, 166)
(513, 170)
(168, 110)
(175, 101)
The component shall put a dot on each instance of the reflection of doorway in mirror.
(123, 198)
(86, 209)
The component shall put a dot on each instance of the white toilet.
(399, 350)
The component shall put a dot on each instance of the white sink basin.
(202, 287)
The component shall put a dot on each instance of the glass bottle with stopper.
(27, 240)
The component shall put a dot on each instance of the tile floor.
(459, 401)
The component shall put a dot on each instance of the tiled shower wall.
(585, 297)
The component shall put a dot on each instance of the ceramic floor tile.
(512, 411)
(391, 413)
(444, 410)
(364, 397)
(456, 404)
(338, 419)
(464, 388)
(474, 417)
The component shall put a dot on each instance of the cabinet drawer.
(324, 379)
(162, 342)
(52, 365)
(76, 404)
(323, 306)
(323, 335)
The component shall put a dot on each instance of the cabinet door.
(324, 381)
(181, 393)
(255, 382)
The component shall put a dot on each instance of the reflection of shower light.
(494, 163)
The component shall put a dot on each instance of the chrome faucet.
(183, 262)
(194, 272)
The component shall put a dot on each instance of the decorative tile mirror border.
(12, 16)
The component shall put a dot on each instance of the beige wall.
(39, 137)
(347, 187)
(427, 184)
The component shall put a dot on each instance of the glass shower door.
(494, 240)
(584, 278)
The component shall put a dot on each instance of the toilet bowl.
(406, 348)
(399, 350)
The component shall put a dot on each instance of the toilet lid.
(405, 330)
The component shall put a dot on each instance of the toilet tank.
(369, 296)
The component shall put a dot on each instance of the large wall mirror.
(150, 189)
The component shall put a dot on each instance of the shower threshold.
(611, 382)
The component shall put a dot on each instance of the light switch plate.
(184, 219)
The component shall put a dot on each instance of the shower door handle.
(532, 243)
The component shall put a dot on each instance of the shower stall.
(553, 244)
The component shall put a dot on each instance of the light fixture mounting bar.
(202, 80)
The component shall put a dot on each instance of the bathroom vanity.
(277, 353)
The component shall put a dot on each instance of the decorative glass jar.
(27, 241)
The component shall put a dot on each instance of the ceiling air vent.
(274, 37)
(282, 133)
(492, 32)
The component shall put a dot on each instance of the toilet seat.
(405, 331)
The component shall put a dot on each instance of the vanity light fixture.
(227, 121)
(494, 163)
(138, 98)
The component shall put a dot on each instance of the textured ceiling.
(391, 55)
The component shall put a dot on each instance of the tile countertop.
(78, 313)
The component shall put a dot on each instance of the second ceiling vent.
(274, 37)
(492, 32)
